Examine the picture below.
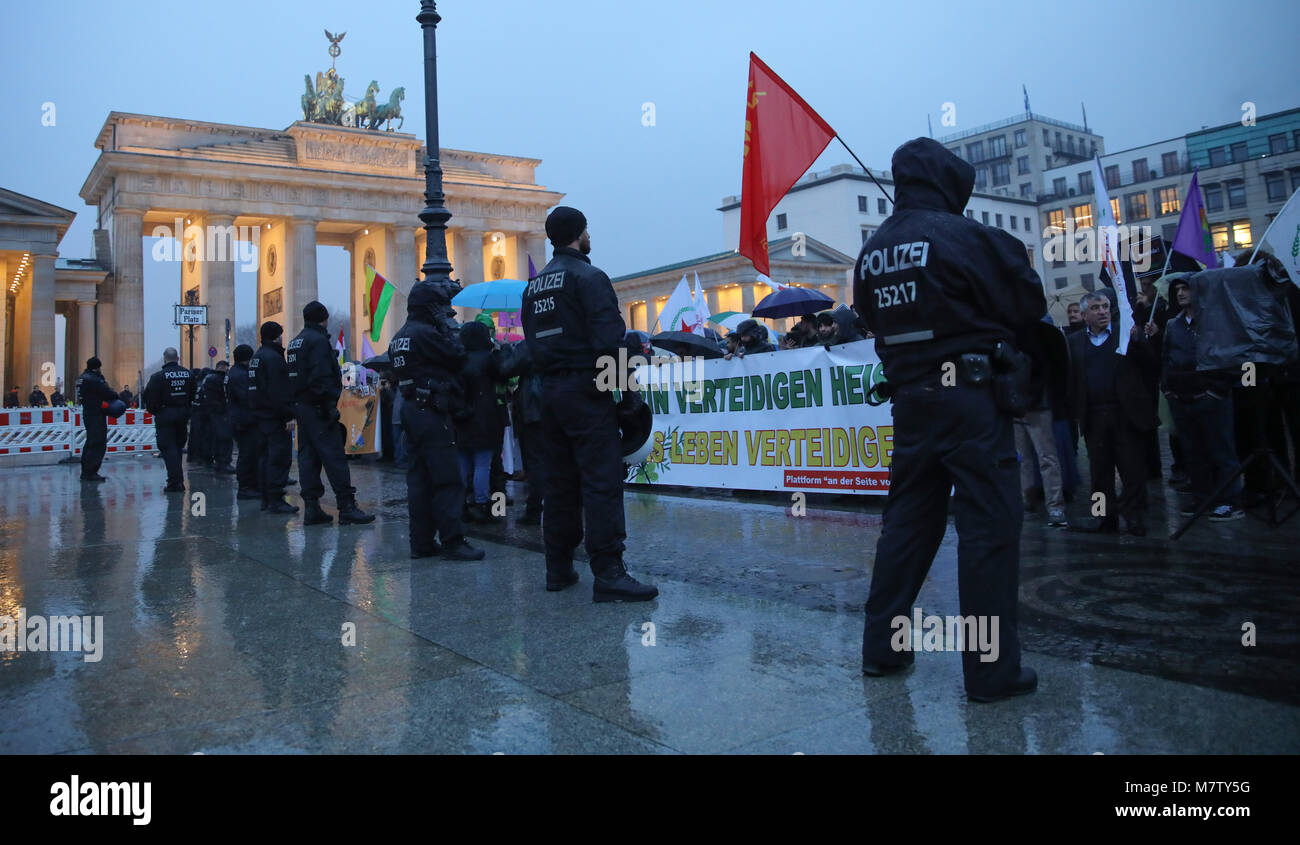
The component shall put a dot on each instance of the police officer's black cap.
(314, 312)
(565, 225)
(243, 353)
(93, 363)
(270, 331)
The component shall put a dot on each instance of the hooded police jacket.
(570, 314)
(424, 354)
(933, 284)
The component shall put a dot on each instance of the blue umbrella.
(792, 302)
(496, 295)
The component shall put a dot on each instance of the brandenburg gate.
(283, 193)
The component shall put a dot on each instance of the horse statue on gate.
(365, 107)
(389, 111)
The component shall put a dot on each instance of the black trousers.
(434, 491)
(246, 462)
(582, 474)
(274, 457)
(223, 442)
(1115, 444)
(320, 444)
(200, 439)
(946, 437)
(530, 435)
(170, 426)
(92, 451)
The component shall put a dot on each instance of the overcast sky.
(565, 82)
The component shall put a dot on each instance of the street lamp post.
(435, 214)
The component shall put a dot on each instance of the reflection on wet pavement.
(227, 630)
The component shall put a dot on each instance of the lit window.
(1241, 234)
(1056, 219)
(1082, 215)
(1169, 200)
(1114, 209)
(1219, 235)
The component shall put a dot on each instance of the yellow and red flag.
(783, 137)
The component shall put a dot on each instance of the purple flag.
(1193, 236)
(532, 271)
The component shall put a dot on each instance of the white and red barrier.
(50, 432)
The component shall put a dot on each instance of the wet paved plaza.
(224, 631)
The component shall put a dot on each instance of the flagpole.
(1168, 258)
(868, 169)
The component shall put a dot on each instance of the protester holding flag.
(316, 382)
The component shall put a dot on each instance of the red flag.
(783, 137)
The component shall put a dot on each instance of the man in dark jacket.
(1109, 397)
(168, 396)
(37, 398)
(217, 408)
(126, 395)
(272, 405)
(57, 399)
(480, 429)
(1201, 405)
(243, 426)
(94, 394)
(526, 407)
(753, 339)
(427, 355)
(571, 322)
(945, 298)
(200, 451)
(317, 383)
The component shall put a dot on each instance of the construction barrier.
(60, 431)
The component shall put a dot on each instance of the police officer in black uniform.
(317, 383)
(946, 298)
(216, 406)
(168, 396)
(571, 321)
(95, 394)
(200, 451)
(271, 402)
(427, 356)
(243, 426)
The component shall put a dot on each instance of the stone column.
(301, 284)
(471, 269)
(106, 328)
(128, 259)
(532, 245)
(22, 336)
(219, 278)
(405, 272)
(85, 340)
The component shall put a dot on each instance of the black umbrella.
(792, 302)
(686, 344)
(379, 362)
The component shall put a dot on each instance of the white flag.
(1282, 238)
(701, 307)
(678, 313)
(1108, 243)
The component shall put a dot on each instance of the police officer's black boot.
(614, 584)
(350, 514)
(458, 548)
(560, 574)
(313, 515)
